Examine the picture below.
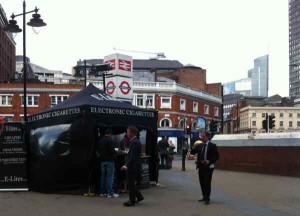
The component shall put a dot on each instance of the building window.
(5, 100)
(281, 115)
(32, 100)
(291, 115)
(8, 117)
(298, 123)
(253, 114)
(144, 100)
(22, 118)
(263, 115)
(253, 123)
(281, 123)
(216, 111)
(194, 125)
(195, 107)
(181, 124)
(56, 99)
(206, 109)
(166, 102)
(182, 104)
(139, 100)
(290, 124)
(165, 123)
(298, 115)
(150, 101)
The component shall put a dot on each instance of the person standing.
(120, 161)
(207, 155)
(107, 157)
(171, 154)
(133, 167)
(163, 145)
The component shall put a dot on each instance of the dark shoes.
(128, 204)
(140, 199)
(206, 202)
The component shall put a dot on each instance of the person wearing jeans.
(107, 177)
(107, 156)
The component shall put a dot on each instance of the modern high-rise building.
(257, 82)
(260, 77)
(294, 48)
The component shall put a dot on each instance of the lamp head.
(12, 27)
(36, 21)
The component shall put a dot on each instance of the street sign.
(125, 87)
(110, 87)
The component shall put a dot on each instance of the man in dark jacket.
(207, 156)
(107, 157)
(163, 146)
(133, 167)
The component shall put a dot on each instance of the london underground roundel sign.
(110, 87)
(125, 87)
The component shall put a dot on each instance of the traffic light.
(214, 126)
(265, 125)
(188, 130)
(271, 121)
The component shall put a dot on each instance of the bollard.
(184, 151)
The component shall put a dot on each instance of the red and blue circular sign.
(110, 87)
(125, 87)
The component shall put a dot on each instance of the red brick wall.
(42, 89)
(193, 77)
(7, 57)
(268, 160)
(214, 88)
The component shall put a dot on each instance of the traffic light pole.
(268, 130)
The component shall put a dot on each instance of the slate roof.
(144, 64)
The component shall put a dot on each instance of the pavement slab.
(233, 193)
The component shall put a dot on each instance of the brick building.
(179, 93)
(39, 97)
(192, 77)
(181, 96)
(7, 51)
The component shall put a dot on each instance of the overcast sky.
(223, 37)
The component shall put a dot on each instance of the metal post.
(268, 123)
(183, 159)
(184, 147)
(24, 64)
(103, 80)
(85, 73)
(237, 116)
(222, 110)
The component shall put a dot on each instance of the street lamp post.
(12, 27)
(78, 71)
(102, 69)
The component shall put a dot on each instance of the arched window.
(194, 125)
(165, 123)
(181, 124)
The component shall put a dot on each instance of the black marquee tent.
(63, 137)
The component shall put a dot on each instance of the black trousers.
(164, 163)
(132, 183)
(205, 176)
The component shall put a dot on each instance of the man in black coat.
(163, 146)
(133, 167)
(207, 156)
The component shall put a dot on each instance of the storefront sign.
(13, 175)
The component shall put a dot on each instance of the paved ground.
(234, 193)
